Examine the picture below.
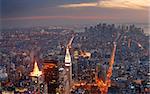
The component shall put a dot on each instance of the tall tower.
(68, 67)
(36, 75)
(67, 58)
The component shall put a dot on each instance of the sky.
(66, 12)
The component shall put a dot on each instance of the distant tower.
(68, 66)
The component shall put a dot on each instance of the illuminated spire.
(67, 58)
(36, 72)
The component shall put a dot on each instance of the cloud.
(130, 4)
(92, 4)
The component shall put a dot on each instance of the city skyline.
(74, 47)
(64, 12)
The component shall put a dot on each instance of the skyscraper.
(68, 67)
(51, 75)
(36, 74)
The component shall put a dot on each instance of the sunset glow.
(131, 4)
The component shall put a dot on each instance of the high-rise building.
(68, 67)
(67, 58)
(101, 72)
(51, 75)
(75, 64)
(36, 75)
(3, 73)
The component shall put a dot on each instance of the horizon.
(36, 12)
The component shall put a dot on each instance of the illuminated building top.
(36, 72)
(67, 58)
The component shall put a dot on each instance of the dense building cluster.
(20, 47)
